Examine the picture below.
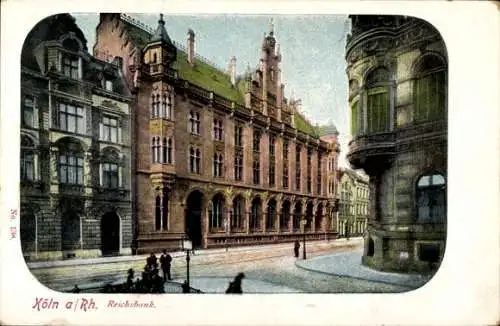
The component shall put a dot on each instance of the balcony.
(371, 150)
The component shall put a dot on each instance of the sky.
(312, 48)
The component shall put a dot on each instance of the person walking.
(166, 264)
(235, 285)
(296, 248)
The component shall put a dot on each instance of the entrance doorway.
(110, 234)
(194, 212)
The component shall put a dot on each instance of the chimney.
(190, 47)
(232, 70)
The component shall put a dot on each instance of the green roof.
(325, 130)
(212, 79)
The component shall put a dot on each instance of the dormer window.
(109, 85)
(70, 66)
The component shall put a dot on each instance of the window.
(194, 123)
(256, 141)
(271, 215)
(255, 214)
(430, 89)
(110, 175)
(237, 213)
(158, 213)
(155, 106)
(71, 118)
(256, 171)
(217, 168)
(297, 167)
(378, 110)
(238, 136)
(156, 149)
(355, 115)
(272, 161)
(28, 112)
(109, 85)
(70, 66)
(161, 212)
(318, 177)
(285, 164)
(297, 216)
(238, 166)
(194, 160)
(309, 170)
(431, 192)
(285, 215)
(71, 169)
(218, 129)
(167, 150)
(109, 129)
(27, 159)
(216, 214)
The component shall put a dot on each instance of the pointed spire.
(161, 33)
(271, 27)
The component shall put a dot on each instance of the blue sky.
(312, 48)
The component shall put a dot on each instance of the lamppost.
(226, 224)
(303, 227)
(187, 245)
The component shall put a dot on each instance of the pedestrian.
(185, 287)
(296, 248)
(76, 289)
(152, 261)
(166, 264)
(130, 279)
(235, 285)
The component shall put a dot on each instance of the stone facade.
(353, 193)
(75, 147)
(216, 152)
(397, 71)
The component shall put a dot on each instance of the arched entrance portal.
(110, 234)
(194, 212)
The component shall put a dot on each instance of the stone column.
(54, 175)
(277, 227)
(227, 215)
(247, 216)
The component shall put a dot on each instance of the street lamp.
(303, 227)
(187, 245)
(226, 224)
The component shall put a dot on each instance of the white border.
(464, 291)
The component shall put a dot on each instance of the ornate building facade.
(397, 71)
(75, 160)
(224, 159)
(353, 194)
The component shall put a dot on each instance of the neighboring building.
(353, 194)
(329, 134)
(397, 70)
(75, 147)
(218, 156)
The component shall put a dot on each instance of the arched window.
(429, 90)
(256, 214)
(153, 107)
(164, 107)
(285, 215)
(217, 209)
(164, 151)
(164, 213)
(158, 213)
(309, 215)
(378, 105)
(237, 213)
(297, 216)
(271, 214)
(431, 198)
(27, 159)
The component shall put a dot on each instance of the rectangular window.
(297, 168)
(217, 165)
(194, 123)
(256, 171)
(27, 166)
(110, 175)
(318, 177)
(109, 129)
(70, 66)
(238, 166)
(71, 118)
(28, 112)
(309, 171)
(378, 110)
(217, 129)
(272, 161)
(109, 85)
(285, 164)
(70, 169)
(256, 141)
(238, 136)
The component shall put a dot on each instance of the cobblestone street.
(268, 269)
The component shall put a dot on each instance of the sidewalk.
(198, 252)
(220, 284)
(349, 265)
